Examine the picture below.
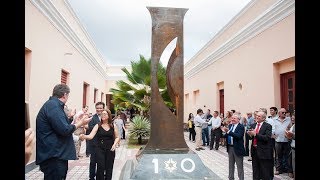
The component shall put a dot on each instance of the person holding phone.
(55, 145)
(107, 138)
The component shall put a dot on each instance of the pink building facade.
(59, 50)
(249, 64)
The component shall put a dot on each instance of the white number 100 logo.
(156, 165)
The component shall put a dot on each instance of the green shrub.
(140, 127)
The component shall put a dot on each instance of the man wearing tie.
(261, 148)
(92, 143)
(235, 146)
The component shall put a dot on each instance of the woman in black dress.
(107, 138)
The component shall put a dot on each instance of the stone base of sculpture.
(167, 166)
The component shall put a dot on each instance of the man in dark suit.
(235, 146)
(261, 148)
(92, 143)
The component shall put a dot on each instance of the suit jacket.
(95, 120)
(264, 142)
(238, 142)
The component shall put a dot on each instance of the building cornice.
(84, 30)
(48, 9)
(277, 12)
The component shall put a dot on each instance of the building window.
(186, 101)
(221, 100)
(95, 95)
(288, 91)
(102, 96)
(64, 77)
(196, 95)
(85, 91)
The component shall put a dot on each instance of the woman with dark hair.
(192, 132)
(107, 138)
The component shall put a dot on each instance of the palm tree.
(136, 92)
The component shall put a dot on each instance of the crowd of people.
(60, 131)
(269, 141)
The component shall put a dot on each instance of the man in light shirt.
(274, 116)
(248, 142)
(282, 144)
(198, 121)
(208, 116)
(216, 132)
(205, 133)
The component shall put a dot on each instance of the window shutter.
(64, 76)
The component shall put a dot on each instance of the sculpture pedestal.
(167, 166)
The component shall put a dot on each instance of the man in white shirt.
(216, 132)
(282, 144)
(274, 116)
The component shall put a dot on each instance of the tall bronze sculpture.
(167, 156)
(166, 127)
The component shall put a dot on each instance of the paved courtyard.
(216, 160)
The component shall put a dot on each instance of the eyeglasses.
(283, 112)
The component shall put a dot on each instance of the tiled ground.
(79, 169)
(217, 161)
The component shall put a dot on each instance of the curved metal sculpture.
(167, 128)
(167, 156)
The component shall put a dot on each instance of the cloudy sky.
(121, 29)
